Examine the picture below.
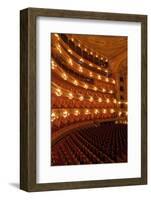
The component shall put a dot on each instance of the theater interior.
(88, 99)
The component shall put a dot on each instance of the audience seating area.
(101, 143)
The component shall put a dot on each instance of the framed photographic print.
(83, 99)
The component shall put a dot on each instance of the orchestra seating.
(92, 145)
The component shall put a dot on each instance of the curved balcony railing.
(83, 52)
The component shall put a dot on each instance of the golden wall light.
(70, 61)
(119, 113)
(96, 111)
(99, 77)
(85, 86)
(95, 88)
(75, 82)
(107, 100)
(107, 79)
(80, 69)
(70, 51)
(113, 81)
(99, 99)
(87, 112)
(114, 101)
(58, 92)
(64, 76)
(65, 113)
(112, 110)
(70, 95)
(103, 90)
(81, 98)
(104, 111)
(90, 74)
(56, 35)
(53, 116)
(76, 112)
(91, 99)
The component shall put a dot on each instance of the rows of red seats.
(100, 143)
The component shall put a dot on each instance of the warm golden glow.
(91, 74)
(75, 82)
(80, 69)
(76, 112)
(107, 100)
(95, 88)
(96, 111)
(122, 102)
(104, 111)
(87, 112)
(64, 76)
(70, 51)
(81, 98)
(99, 77)
(113, 81)
(112, 110)
(56, 35)
(58, 92)
(114, 101)
(119, 113)
(65, 114)
(85, 86)
(70, 95)
(99, 99)
(103, 90)
(59, 48)
(70, 61)
(91, 99)
(53, 64)
(107, 79)
(53, 116)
